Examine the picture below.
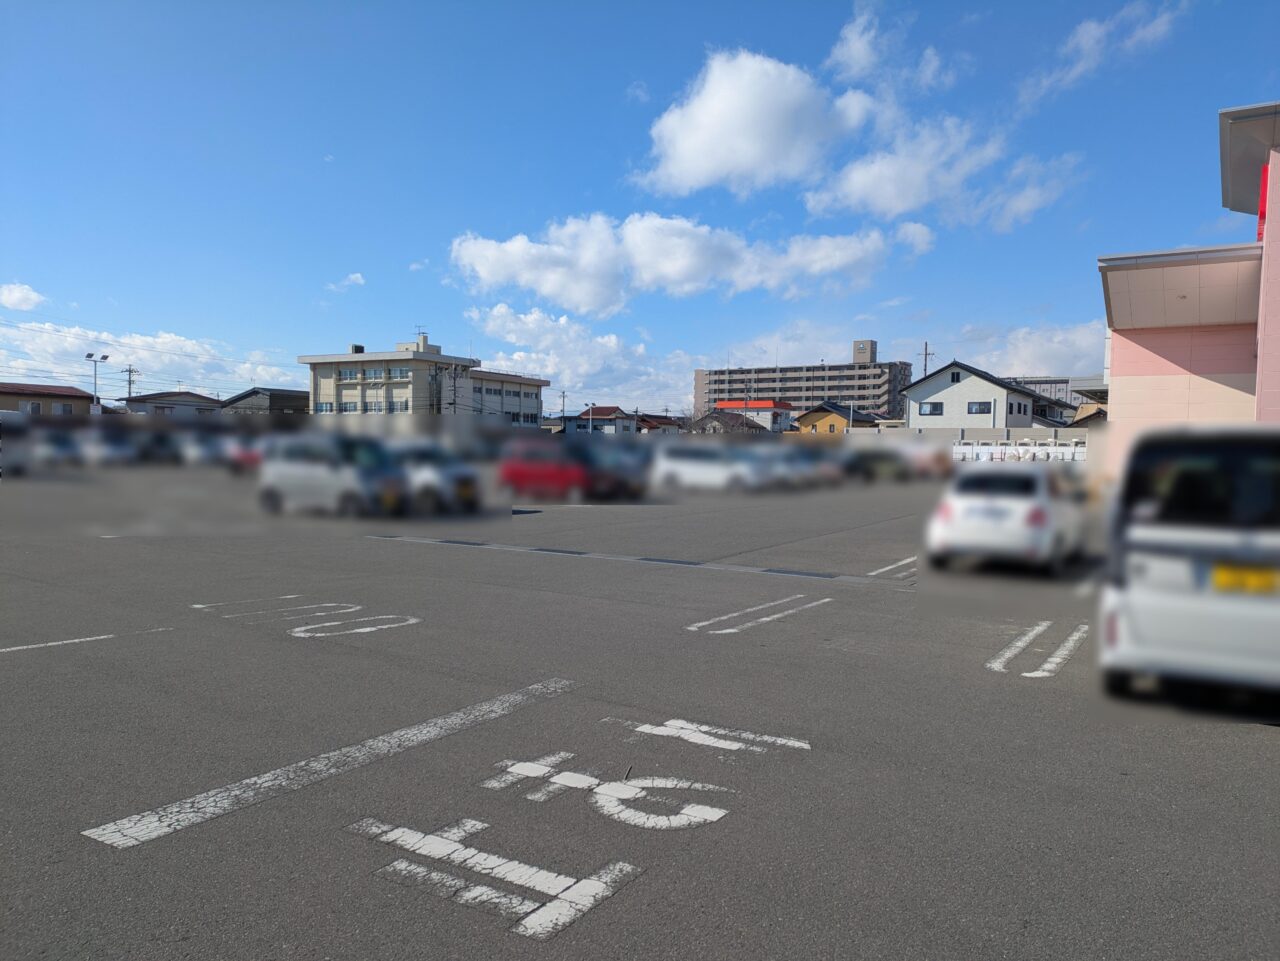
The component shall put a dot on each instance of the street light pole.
(96, 361)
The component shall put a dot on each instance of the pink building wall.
(1267, 406)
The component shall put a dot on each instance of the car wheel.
(271, 501)
(1056, 565)
(1118, 684)
(350, 505)
(427, 501)
(938, 562)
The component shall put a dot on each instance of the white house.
(957, 395)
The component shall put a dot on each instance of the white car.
(438, 479)
(1012, 512)
(329, 472)
(1193, 587)
(708, 467)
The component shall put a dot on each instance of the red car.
(546, 467)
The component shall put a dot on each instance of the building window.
(64, 409)
(375, 373)
(493, 391)
(348, 373)
(1011, 407)
(530, 395)
(931, 408)
(979, 406)
(161, 410)
(513, 393)
(955, 379)
(400, 373)
(477, 389)
(347, 407)
(324, 407)
(31, 406)
(397, 407)
(831, 428)
(373, 407)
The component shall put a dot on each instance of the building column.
(1267, 391)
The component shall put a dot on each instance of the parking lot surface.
(733, 727)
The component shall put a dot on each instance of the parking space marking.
(772, 617)
(862, 580)
(890, 567)
(398, 620)
(998, 662)
(1062, 654)
(149, 825)
(704, 735)
(745, 610)
(255, 600)
(347, 608)
(569, 898)
(81, 640)
(1086, 587)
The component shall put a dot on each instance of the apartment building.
(419, 378)
(870, 384)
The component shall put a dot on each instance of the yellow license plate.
(1235, 579)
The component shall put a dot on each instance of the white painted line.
(1060, 656)
(191, 811)
(744, 735)
(608, 799)
(747, 610)
(907, 573)
(772, 617)
(998, 662)
(347, 608)
(510, 775)
(881, 570)
(255, 600)
(312, 630)
(81, 640)
(1085, 587)
(694, 736)
(558, 913)
(446, 886)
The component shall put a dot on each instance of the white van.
(331, 473)
(1193, 587)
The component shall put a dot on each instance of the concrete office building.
(872, 385)
(418, 378)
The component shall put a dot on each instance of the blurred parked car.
(242, 453)
(159, 447)
(332, 473)
(1023, 513)
(15, 444)
(438, 479)
(108, 448)
(198, 448)
(1193, 586)
(51, 447)
(707, 466)
(882, 464)
(554, 468)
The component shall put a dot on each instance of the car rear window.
(1209, 482)
(997, 484)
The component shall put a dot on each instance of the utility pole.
(131, 372)
(927, 353)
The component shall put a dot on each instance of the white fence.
(1075, 451)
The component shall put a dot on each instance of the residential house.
(268, 400)
(658, 424)
(45, 399)
(597, 419)
(832, 418)
(172, 403)
(726, 422)
(774, 415)
(958, 395)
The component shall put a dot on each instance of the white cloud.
(638, 91)
(799, 341)
(1030, 186)
(351, 280)
(1092, 43)
(1045, 350)
(747, 121)
(856, 52)
(600, 368)
(854, 108)
(916, 236)
(419, 264)
(20, 297)
(932, 73)
(928, 162)
(595, 264)
(54, 353)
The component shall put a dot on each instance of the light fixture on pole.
(95, 361)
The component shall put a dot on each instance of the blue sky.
(605, 194)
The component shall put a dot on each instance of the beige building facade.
(419, 378)
(871, 385)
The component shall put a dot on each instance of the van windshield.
(1209, 482)
(364, 454)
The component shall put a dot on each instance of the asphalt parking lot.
(743, 727)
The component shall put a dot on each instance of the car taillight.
(1111, 629)
(1036, 517)
(943, 513)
